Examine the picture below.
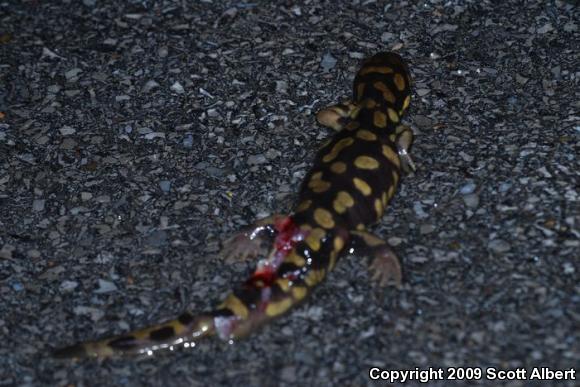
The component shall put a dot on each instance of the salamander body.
(353, 177)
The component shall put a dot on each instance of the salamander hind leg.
(251, 241)
(338, 116)
(385, 267)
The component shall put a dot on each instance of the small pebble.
(569, 268)
(105, 287)
(188, 141)
(72, 74)
(467, 188)
(86, 196)
(176, 87)
(68, 144)
(418, 208)
(157, 238)
(545, 28)
(426, 229)
(257, 159)
(53, 89)
(150, 85)
(282, 87)
(38, 205)
(328, 62)
(17, 286)
(72, 93)
(163, 51)
(95, 313)
(471, 200)
(68, 285)
(422, 92)
(33, 253)
(499, 246)
(387, 37)
(504, 187)
(165, 185)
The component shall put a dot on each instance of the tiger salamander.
(354, 176)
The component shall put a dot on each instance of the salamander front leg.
(403, 141)
(337, 116)
(385, 267)
(250, 242)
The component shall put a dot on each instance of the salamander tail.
(185, 330)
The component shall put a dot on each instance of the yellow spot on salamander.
(391, 191)
(314, 277)
(235, 305)
(366, 162)
(406, 102)
(360, 227)
(387, 93)
(277, 308)
(94, 349)
(338, 167)
(379, 208)
(295, 259)
(395, 177)
(319, 186)
(342, 202)
(362, 186)
(393, 137)
(332, 260)
(178, 327)
(352, 125)
(364, 134)
(391, 155)
(340, 145)
(393, 116)
(353, 110)
(389, 96)
(314, 237)
(375, 69)
(384, 199)
(370, 103)
(399, 82)
(143, 333)
(324, 218)
(284, 284)
(380, 119)
(316, 176)
(369, 239)
(338, 243)
(304, 205)
(299, 292)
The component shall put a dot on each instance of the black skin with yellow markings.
(353, 178)
(363, 158)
